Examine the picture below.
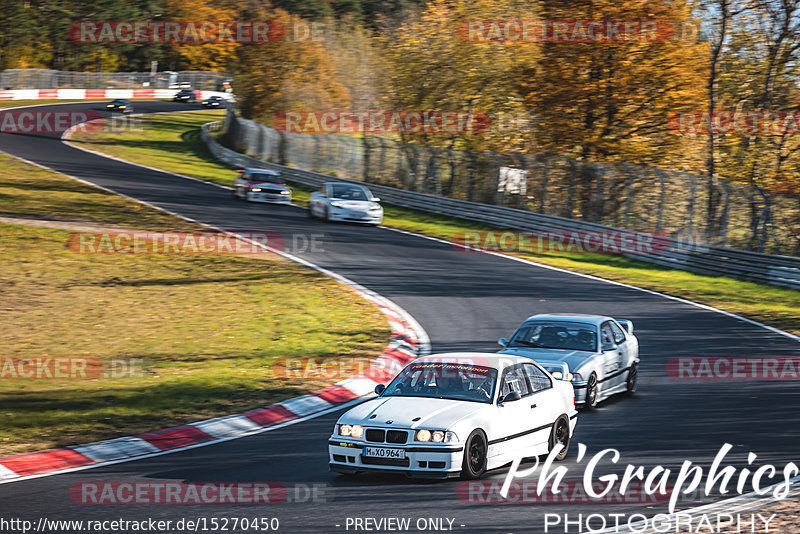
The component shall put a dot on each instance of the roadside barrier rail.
(693, 257)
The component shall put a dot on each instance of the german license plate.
(380, 452)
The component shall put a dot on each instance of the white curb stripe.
(231, 425)
(358, 386)
(305, 405)
(116, 449)
(7, 474)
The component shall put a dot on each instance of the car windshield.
(265, 177)
(439, 380)
(556, 335)
(349, 192)
(119, 101)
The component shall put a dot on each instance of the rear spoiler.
(626, 324)
(559, 370)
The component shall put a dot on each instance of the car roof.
(346, 183)
(485, 359)
(569, 317)
(252, 170)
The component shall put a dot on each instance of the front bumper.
(579, 389)
(421, 460)
(345, 215)
(270, 198)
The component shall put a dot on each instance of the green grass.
(771, 305)
(203, 331)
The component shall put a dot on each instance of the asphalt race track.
(465, 301)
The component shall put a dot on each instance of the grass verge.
(189, 336)
(173, 143)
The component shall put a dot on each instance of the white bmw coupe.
(456, 414)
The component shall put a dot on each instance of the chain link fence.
(634, 197)
(56, 79)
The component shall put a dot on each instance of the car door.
(623, 348)
(317, 200)
(545, 403)
(611, 358)
(514, 422)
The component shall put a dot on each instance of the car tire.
(327, 214)
(234, 195)
(560, 434)
(633, 379)
(310, 213)
(590, 402)
(475, 453)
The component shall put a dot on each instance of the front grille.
(375, 435)
(397, 462)
(436, 465)
(396, 436)
(272, 191)
(339, 458)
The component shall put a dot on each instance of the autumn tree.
(285, 75)
(609, 99)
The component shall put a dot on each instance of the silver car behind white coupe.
(601, 352)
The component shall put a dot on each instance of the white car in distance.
(261, 185)
(345, 202)
(456, 414)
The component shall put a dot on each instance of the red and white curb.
(80, 94)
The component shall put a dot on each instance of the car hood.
(401, 411)
(573, 358)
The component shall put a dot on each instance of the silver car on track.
(347, 202)
(602, 353)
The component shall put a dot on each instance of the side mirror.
(609, 347)
(503, 342)
(375, 199)
(380, 388)
(511, 397)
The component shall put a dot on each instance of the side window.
(606, 334)
(514, 380)
(246, 176)
(619, 335)
(538, 380)
(322, 191)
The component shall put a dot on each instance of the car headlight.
(557, 374)
(122, 107)
(336, 204)
(375, 207)
(256, 189)
(110, 106)
(436, 436)
(286, 192)
(353, 431)
(576, 377)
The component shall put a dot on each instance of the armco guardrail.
(693, 257)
